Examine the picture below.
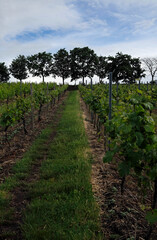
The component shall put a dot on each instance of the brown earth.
(121, 217)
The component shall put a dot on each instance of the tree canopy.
(61, 65)
(124, 68)
(4, 73)
(83, 63)
(40, 64)
(18, 68)
(101, 67)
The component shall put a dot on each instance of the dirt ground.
(122, 217)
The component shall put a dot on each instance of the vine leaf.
(108, 157)
(124, 168)
(151, 216)
(149, 128)
(139, 138)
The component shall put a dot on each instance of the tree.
(124, 68)
(101, 67)
(62, 64)
(151, 66)
(40, 64)
(83, 63)
(4, 72)
(136, 71)
(18, 68)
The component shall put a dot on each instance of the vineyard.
(24, 113)
(23, 101)
(45, 162)
(130, 143)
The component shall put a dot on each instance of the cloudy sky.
(106, 26)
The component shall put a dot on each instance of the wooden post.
(92, 91)
(47, 93)
(32, 109)
(110, 102)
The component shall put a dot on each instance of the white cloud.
(144, 25)
(121, 4)
(108, 27)
(19, 16)
(140, 48)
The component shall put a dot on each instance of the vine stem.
(122, 185)
(24, 125)
(39, 112)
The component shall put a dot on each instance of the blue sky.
(106, 26)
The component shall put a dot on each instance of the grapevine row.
(37, 96)
(131, 133)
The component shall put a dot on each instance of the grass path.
(61, 203)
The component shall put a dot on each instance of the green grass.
(20, 172)
(62, 204)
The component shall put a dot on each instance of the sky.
(106, 26)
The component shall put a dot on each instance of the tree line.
(76, 64)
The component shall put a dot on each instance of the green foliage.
(152, 216)
(18, 67)
(23, 105)
(4, 73)
(61, 66)
(40, 64)
(40, 98)
(108, 157)
(101, 64)
(15, 111)
(125, 68)
(83, 63)
(8, 118)
(131, 132)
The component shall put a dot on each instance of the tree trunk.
(152, 78)
(63, 80)
(83, 80)
(43, 78)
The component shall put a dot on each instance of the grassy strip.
(62, 205)
(20, 172)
